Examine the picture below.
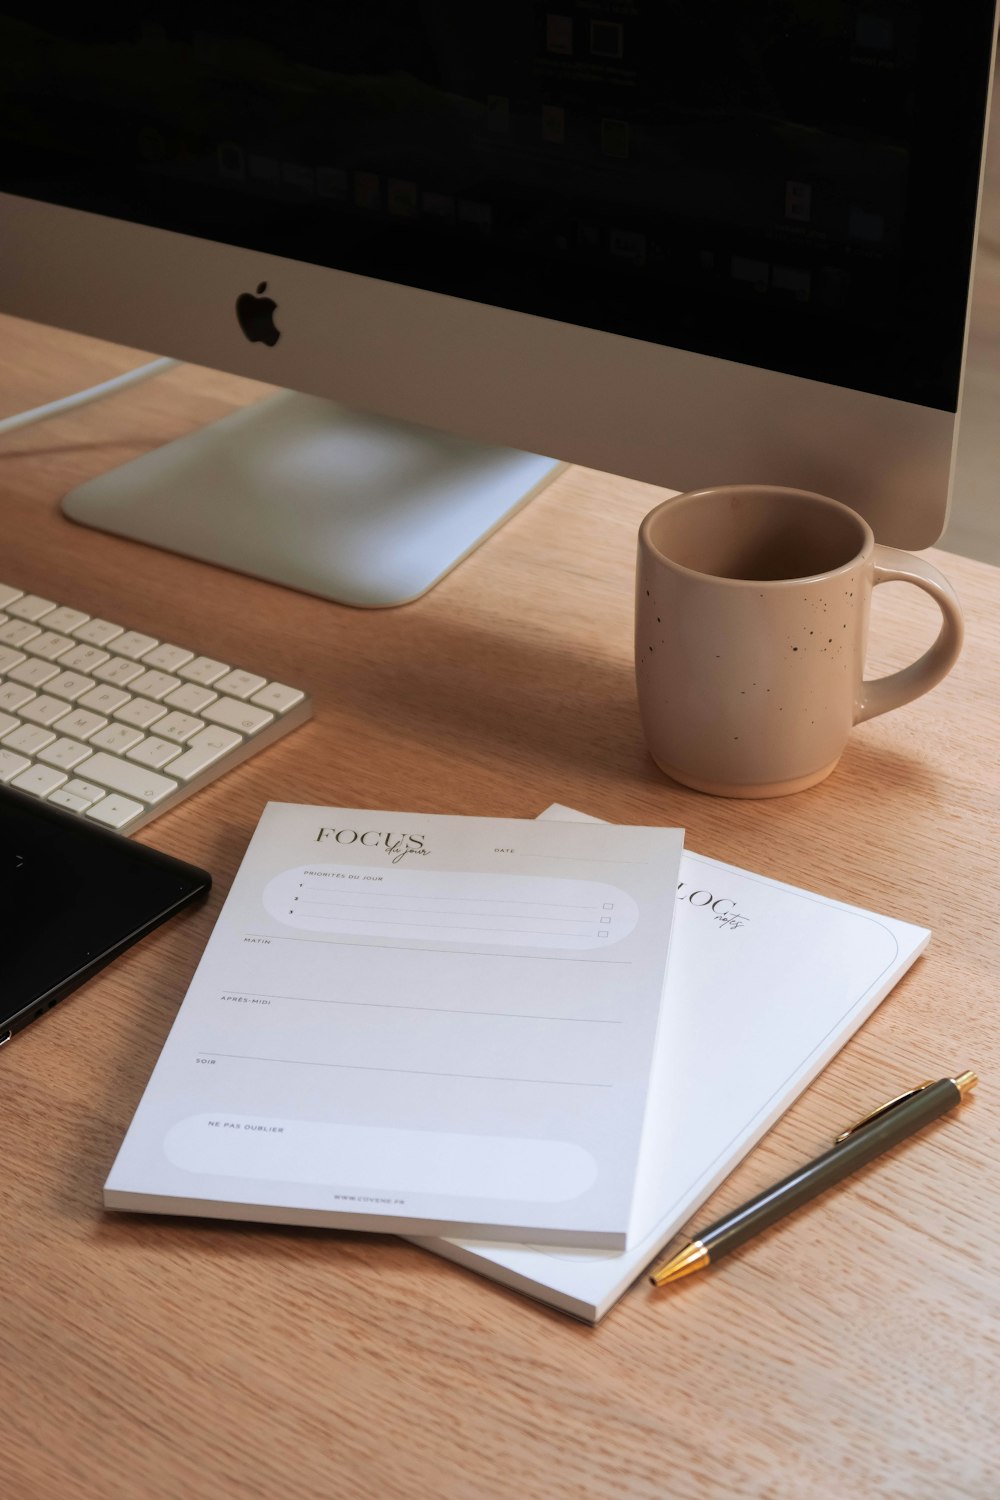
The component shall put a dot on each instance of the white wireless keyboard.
(116, 725)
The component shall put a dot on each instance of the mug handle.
(883, 693)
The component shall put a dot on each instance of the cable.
(92, 393)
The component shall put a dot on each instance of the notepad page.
(765, 985)
(416, 1022)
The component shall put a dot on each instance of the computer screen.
(695, 244)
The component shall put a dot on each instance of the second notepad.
(416, 1023)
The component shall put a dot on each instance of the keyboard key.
(44, 709)
(33, 672)
(18, 632)
(154, 752)
(28, 739)
(39, 780)
(114, 811)
(97, 632)
(105, 698)
(7, 594)
(62, 798)
(85, 790)
(235, 715)
(277, 697)
(237, 684)
(64, 753)
(11, 764)
(168, 658)
(141, 712)
(190, 698)
(65, 620)
(122, 776)
(70, 685)
(9, 658)
(155, 684)
(80, 724)
(203, 669)
(13, 694)
(50, 644)
(133, 643)
(7, 723)
(83, 658)
(116, 737)
(30, 607)
(179, 727)
(204, 750)
(118, 670)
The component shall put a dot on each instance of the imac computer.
(693, 244)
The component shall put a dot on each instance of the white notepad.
(766, 983)
(417, 1023)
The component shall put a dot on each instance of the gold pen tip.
(964, 1082)
(692, 1258)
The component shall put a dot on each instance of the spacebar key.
(123, 776)
(203, 750)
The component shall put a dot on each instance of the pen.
(860, 1143)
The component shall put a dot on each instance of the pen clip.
(883, 1109)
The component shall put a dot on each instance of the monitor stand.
(304, 492)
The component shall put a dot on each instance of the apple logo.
(255, 316)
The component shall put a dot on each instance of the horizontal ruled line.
(503, 900)
(549, 958)
(306, 1062)
(445, 1010)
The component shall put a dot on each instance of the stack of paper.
(464, 1030)
(418, 1023)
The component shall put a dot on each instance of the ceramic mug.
(752, 606)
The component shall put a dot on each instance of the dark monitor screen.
(785, 183)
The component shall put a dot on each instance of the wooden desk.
(854, 1351)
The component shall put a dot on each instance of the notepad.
(766, 983)
(417, 1023)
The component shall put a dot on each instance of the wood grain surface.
(853, 1351)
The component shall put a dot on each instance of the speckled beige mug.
(752, 607)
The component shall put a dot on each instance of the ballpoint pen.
(860, 1143)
